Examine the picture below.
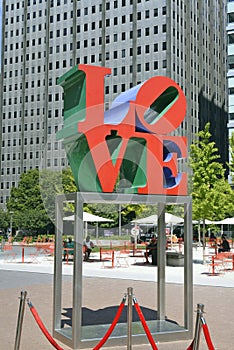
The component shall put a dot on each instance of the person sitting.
(88, 248)
(68, 245)
(152, 250)
(224, 245)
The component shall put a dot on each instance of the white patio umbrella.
(87, 217)
(227, 221)
(170, 219)
(153, 219)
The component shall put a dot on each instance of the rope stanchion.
(201, 324)
(112, 326)
(42, 327)
(20, 319)
(207, 335)
(144, 324)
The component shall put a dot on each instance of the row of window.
(20, 4)
(64, 46)
(55, 3)
(56, 97)
(63, 17)
(84, 28)
(13, 128)
(33, 112)
(31, 141)
(26, 155)
(14, 143)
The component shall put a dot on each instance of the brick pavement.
(218, 301)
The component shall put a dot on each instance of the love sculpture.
(126, 154)
(127, 148)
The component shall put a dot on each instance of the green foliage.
(211, 193)
(4, 220)
(231, 151)
(33, 201)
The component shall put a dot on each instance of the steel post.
(129, 320)
(196, 343)
(20, 320)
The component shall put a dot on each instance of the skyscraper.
(137, 39)
(230, 67)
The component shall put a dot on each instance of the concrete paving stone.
(103, 288)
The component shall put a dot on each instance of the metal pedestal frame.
(78, 336)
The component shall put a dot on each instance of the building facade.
(230, 68)
(137, 39)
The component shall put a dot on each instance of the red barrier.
(207, 336)
(190, 346)
(112, 326)
(144, 324)
(42, 327)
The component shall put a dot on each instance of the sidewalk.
(104, 288)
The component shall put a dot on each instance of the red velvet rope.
(42, 327)
(190, 346)
(144, 324)
(112, 326)
(207, 337)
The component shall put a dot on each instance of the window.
(231, 62)
(231, 38)
(164, 63)
(231, 17)
(231, 91)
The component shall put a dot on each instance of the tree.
(231, 151)
(4, 220)
(33, 200)
(211, 194)
(208, 180)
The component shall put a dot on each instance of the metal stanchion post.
(129, 320)
(196, 343)
(20, 320)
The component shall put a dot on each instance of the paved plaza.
(105, 287)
